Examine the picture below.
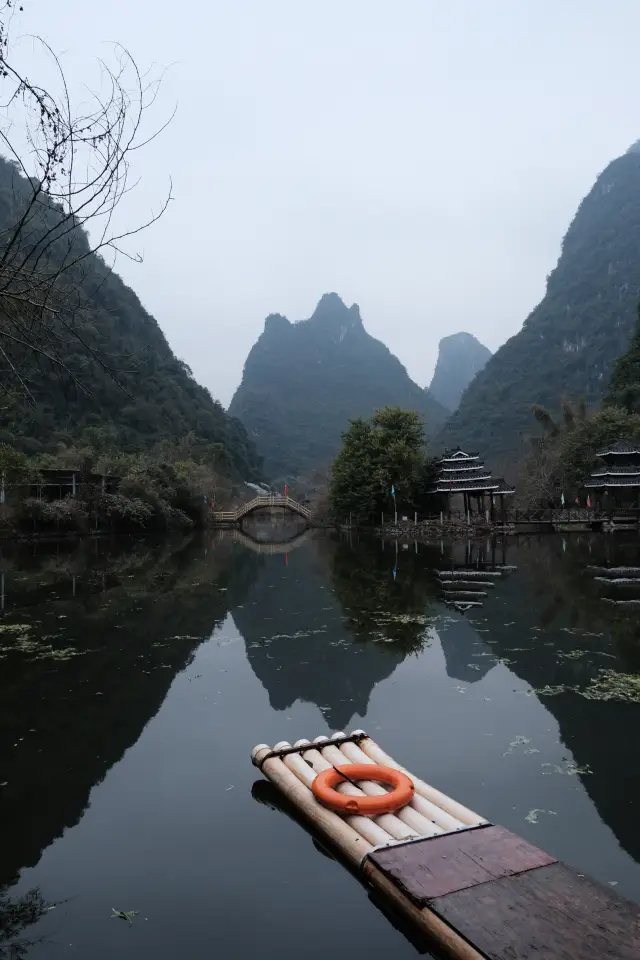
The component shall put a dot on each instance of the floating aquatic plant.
(611, 685)
(14, 628)
(127, 915)
(34, 649)
(533, 815)
(418, 618)
(608, 685)
(551, 691)
(518, 742)
(570, 768)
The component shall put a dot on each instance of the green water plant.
(611, 685)
(128, 915)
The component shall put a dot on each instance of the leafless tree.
(540, 474)
(72, 169)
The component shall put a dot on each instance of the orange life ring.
(324, 791)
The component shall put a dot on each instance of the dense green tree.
(564, 455)
(15, 467)
(579, 447)
(377, 454)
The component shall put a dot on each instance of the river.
(136, 676)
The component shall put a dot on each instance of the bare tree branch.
(72, 170)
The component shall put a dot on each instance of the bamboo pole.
(331, 756)
(355, 848)
(450, 806)
(412, 815)
(371, 832)
(430, 810)
(350, 843)
(376, 830)
(350, 753)
(449, 942)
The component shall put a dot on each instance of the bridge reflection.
(269, 547)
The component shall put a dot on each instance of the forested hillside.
(120, 380)
(569, 343)
(303, 382)
(460, 357)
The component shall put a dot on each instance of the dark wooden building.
(464, 474)
(55, 484)
(616, 484)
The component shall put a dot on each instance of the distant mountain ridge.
(460, 357)
(304, 381)
(569, 342)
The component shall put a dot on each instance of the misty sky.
(420, 158)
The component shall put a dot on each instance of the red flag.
(286, 489)
(578, 500)
(588, 501)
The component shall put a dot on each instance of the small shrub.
(122, 511)
(178, 518)
(69, 514)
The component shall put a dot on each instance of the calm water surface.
(136, 677)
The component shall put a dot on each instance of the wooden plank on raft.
(476, 891)
(454, 861)
(549, 913)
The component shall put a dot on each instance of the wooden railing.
(265, 502)
(556, 515)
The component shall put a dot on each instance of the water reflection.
(306, 642)
(560, 639)
(467, 658)
(93, 636)
(470, 571)
(273, 528)
(17, 916)
(106, 645)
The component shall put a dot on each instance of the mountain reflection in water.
(136, 676)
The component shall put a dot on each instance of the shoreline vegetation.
(386, 457)
(83, 491)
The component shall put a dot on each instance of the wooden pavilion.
(465, 473)
(616, 484)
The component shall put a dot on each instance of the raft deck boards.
(512, 900)
(474, 889)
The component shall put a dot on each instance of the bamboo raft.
(472, 889)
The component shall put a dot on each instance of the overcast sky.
(422, 158)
